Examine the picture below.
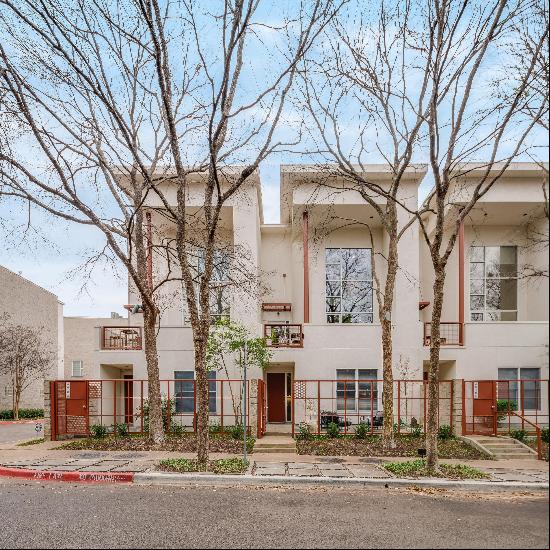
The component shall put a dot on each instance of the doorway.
(279, 385)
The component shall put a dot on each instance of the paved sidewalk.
(261, 466)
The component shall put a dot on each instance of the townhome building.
(309, 289)
(30, 305)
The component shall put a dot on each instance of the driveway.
(19, 431)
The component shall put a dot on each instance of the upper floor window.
(348, 285)
(77, 368)
(493, 283)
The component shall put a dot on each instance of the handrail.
(537, 430)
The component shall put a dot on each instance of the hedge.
(26, 414)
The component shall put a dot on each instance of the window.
(8, 391)
(219, 284)
(348, 285)
(77, 368)
(356, 389)
(185, 391)
(493, 283)
(522, 387)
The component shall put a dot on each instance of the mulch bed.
(372, 446)
(532, 442)
(185, 444)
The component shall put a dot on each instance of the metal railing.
(347, 403)
(121, 338)
(451, 333)
(283, 335)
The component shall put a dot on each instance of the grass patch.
(417, 468)
(31, 442)
(186, 442)
(220, 466)
(372, 445)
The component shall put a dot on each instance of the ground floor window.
(356, 390)
(522, 387)
(184, 391)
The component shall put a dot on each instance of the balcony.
(451, 333)
(283, 335)
(121, 338)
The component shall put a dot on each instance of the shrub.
(544, 435)
(28, 414)
(304, 432)
(166, 408)
(333, 430)
(416, 430)
(362, 430)
(122, 430)
(215, 428)
(236, 431)
(520, 435)
(177, 429)
(445, 432)
(98, 431)
(504, 405)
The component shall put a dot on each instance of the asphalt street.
(10, 433)
(61, 515)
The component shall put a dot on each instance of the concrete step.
(269, 450)
(276, 445)
(515, 456)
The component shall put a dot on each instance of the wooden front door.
(276, 397)
(128, 398)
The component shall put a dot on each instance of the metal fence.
(347, 403)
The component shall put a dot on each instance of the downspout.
(461, 282)
(306, 266)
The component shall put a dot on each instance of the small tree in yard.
(225, 349)
(26, 356)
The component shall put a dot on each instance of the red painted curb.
(38, 421)
(50, 475)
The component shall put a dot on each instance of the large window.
(356, 390)
(185, 391)
(493, 283)
(521, 387)
(219, 285)
(348, 285)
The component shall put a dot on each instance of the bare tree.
(460, 39)
(155, 96)
(364, 76)
(26, 356)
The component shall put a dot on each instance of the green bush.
(445, 432)
(177, 429)
(333, 430)
(416, 430)
(122, 430)
(304, 432)
(98, 431)
(544, 435)
(504, 405)
(166, 409)
(215, 427)
(24, 414)
(520, 435)
(236, 431)
(362, 430)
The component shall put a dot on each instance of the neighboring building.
(320, 314)
(31, 305)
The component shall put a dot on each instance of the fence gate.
(262, 409)
(479, 407)
(71, 407)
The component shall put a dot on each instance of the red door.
(128, 398)
(76, 403)
(276, 397)
(482, 419)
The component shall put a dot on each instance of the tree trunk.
(202, 404)
(17, 400)
(156, 428)
(432, 463)
(387, 342)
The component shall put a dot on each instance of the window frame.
(514, 385)
(338, 316)
(342, 388)
(479, 315)
(81, 368)
(181, 401)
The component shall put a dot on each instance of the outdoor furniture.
(328, 417)
(377, 420)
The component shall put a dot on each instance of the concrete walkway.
(42, 458)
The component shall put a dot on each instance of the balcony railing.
(121, 338)
(451, 333)
(283, 335)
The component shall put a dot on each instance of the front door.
(480, 407)
(128, 398)
(276, 397)
(76, 407)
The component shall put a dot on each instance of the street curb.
(87, 477)
(163, 478)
